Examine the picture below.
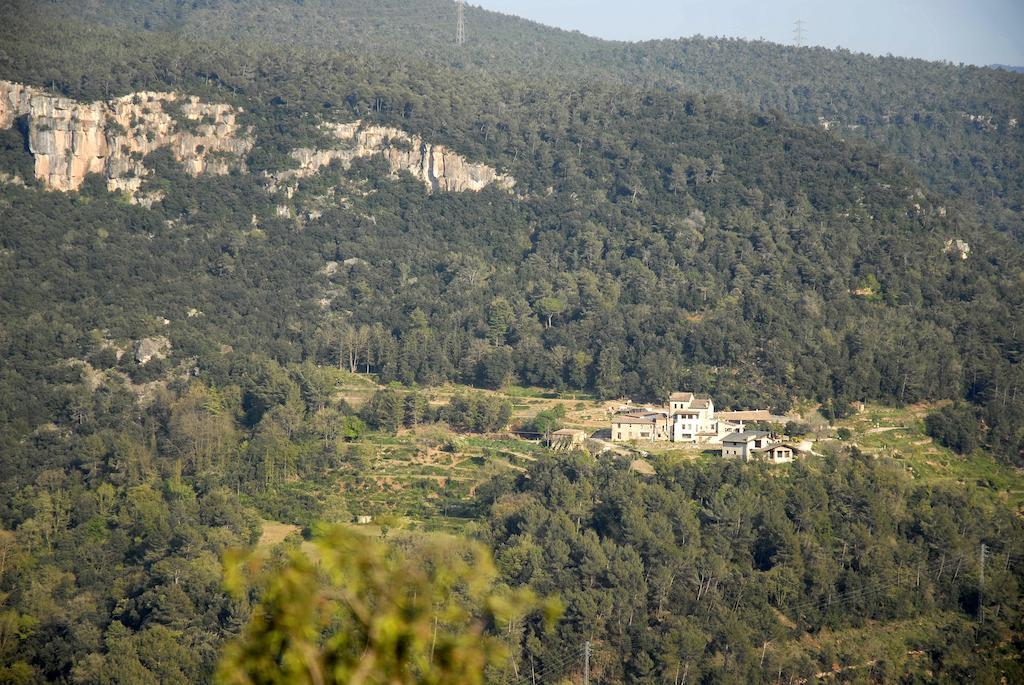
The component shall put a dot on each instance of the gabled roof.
(634, 418)
(775, 446)
(681, 396)
(750, 415)
(745, 436)
(701, 404)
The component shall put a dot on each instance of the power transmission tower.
(586, 663)
(799, 34)
(460, 26)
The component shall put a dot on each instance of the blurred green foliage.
(358, 611)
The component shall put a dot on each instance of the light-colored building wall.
(776, 454)
(742, 445)
(686, 425)
(734, 450)
(627, 430)
(692, 418)
(567, 439)
(687, 419)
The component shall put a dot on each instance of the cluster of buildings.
(692, 419)
(688, 419)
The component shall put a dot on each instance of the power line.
(550, 666)
(555, 668)
(552, 669)
(934, 567)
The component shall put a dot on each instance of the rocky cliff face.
(67, 140)
(14, 102)
(439, 168)
(70, 139)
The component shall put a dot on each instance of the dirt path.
(520, 455)
(885, 429)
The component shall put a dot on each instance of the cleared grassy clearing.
(429, 474)
(274, 533)
(898, 433)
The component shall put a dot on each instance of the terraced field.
(425, 478)
(898, 433)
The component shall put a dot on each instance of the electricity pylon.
(799, 34)
(460, 26)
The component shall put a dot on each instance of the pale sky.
(970, 31)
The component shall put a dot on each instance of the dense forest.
(681, 219)
(957, 125)
(668, 215)
(689, 571)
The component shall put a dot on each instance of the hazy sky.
(971, 31)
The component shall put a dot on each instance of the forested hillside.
(694, 571)
(958, 126)
(679, 219)
(670, 234)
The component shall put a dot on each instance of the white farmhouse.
(776, 454)
(687, 419)
(691, 417)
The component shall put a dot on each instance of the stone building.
(688, 418)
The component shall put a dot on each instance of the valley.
(426, 477)
(332, 351)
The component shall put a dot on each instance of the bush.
(546, 421)
(477, 413)
(104, 358)
(797, 428)
(955, 427)
(384, 411)
(153, 370)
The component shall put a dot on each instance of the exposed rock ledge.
(958, 247)
(150, 348)
(439, 168)
(70, 139)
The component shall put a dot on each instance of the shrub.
(955, 427)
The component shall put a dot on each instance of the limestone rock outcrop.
(958, 247)
(70, 139)
(67, 140)
(152, 348)
(15, 100)
(439, 168)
